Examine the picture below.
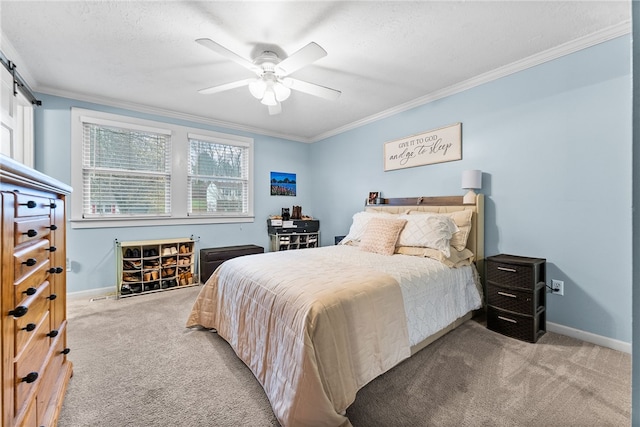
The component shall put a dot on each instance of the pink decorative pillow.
(381, 235)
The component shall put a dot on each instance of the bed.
(316, 325)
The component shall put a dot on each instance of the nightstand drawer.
(522, 327)
(515, 271)
(522, 302)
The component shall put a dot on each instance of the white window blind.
(218, 177)
(126, 170)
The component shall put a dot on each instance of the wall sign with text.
(436, 146)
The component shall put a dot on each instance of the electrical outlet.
(557, 287)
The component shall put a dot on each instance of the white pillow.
(429, 231)
(359, 225)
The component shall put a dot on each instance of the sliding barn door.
(16, 122)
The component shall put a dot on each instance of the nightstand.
(516, 296)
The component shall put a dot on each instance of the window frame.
(179, 173)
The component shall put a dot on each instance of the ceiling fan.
(272, 83)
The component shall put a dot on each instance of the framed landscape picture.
(283, 184)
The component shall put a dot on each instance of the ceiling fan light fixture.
(282, 92)
(269, 97)
(258, 88)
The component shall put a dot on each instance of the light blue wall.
(554, 143)
(635, 380)
(91, 251)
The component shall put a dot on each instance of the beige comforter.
(312, 335)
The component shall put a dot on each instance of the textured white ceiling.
(383, 56)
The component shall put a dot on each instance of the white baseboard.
(92, 293)
(589, 337)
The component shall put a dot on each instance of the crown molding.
(585, 42)
(520, 65)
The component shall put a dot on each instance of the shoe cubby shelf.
(290, 241)
(155, 265)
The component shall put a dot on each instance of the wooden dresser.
(35, 369)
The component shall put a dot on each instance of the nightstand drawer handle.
(507, 319)
(510, 270)
(507, 295)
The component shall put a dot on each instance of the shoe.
(131, 277)
(136, 287)
(174, 250)
(135, 252)
(166, 251)
(125, 290)
(168, 261)
(128, 253)
(184, 249)
(147, 276)
(155, 275)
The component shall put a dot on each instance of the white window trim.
(179, 168)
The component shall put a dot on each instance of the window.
(218, 176)
(130, 172)
(125, 171)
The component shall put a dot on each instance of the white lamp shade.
(257, 88)
(269, 97)
(282, 92)
(472, 179)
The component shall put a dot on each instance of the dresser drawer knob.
(31, 233)
(30, 262)
(19, 311)
(504, 294)
(65, 351)
(53, 227)
(52, 334)
(31, 377)
(506, 319)
(55, 270)
(30, 204)
(510, 270)
(30, 327)
(51, 249)
(52, 297)
(30, 291)
(52, 205)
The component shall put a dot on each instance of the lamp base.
(469, 198)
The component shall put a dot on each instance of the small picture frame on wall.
(373, 197)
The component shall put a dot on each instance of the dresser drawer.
(31, 205)
(515, 272)
(522, 327)
(33, 280)
(29, 259)
(30, 229)
(514, 299)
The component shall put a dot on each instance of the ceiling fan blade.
(275, 109)
(305, 56)
(227, 86)
(221, 50)
(312, 89)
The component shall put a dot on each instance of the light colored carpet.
(135, 364)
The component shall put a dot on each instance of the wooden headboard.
(443, 204)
